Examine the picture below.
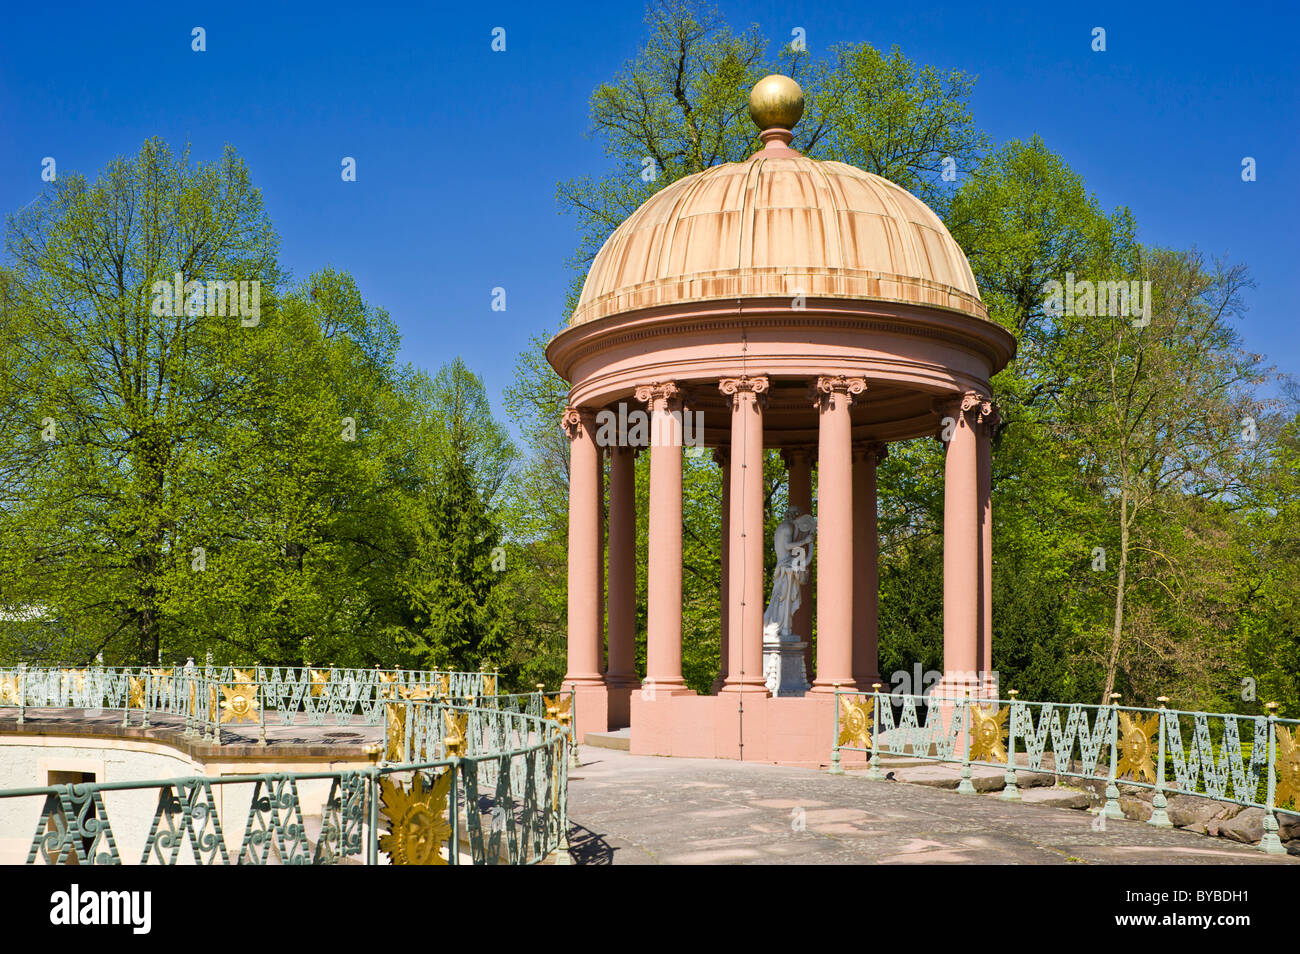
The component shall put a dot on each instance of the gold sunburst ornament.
(1288, 767)
(456, 734)
(988, 732)
(416, 693)
(396, 734)
(417, 820)
(239, 702)
(490, 685)
(1136, 746)
(135, 692)
(855, 723)
(318, 680)
(558, 706)
(10, 693)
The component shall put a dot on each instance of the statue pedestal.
(783, 670)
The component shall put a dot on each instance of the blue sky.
(459, 148)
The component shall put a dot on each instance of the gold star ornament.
(1288, 766)
(239, 702)
(135, 692)
(10, 693)
(1137, 746)
(988, 733)
(417, 820)
(396, 717)
(855, 723)
(454, 740)
(558, 707)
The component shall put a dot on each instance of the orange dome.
(775, 226)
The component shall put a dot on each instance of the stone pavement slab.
(631, 809)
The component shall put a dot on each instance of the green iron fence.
(465, 774)
(1253, 761)
(207, 697)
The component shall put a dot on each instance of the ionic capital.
(829, 384)
(758, 385)
(978, 409)
(660, 395)
(578, 422)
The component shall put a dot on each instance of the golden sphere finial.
(776, 101)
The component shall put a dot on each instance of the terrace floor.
(629, 809)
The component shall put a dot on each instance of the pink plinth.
(798, 731)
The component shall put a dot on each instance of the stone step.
(615, 739)
(1056, 797)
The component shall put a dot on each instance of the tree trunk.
(1117, 631)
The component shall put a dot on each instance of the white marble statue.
(793, 542)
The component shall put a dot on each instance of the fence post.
(873, 767)
(372, 843)
(836, 768)
(1159, 817)
(965, 787)
(261, 701)
(1270, 843)
(188, 697)
(22, 691)
(1111, 808)
(214, 703)
(452, 746)
(146, 675)
(562, 854)
(576, 761)
(1010, 792)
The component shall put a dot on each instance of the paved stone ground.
(629, 809)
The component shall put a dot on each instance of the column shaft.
(961, 548)
(622, 568)
(983, 437)
(745, 590)
(866, 566)
(584, 583)
(835, 532)
(722, 456)
(664, 561)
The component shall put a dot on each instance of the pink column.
(986, 425)
(722, 457)
(745, 569)
(664, 563)
(835, 531)
(866, 568)
(622, 569)
(798, 463)
(584, 584)
(961, 545)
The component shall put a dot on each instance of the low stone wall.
(94, 743)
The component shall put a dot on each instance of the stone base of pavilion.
(752, 726)
(791, 731)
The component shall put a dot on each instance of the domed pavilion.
(792, 304)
